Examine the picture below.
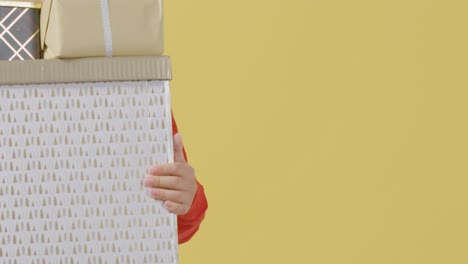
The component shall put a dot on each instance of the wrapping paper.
(98, 28)
(19, 30)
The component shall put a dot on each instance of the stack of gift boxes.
(65, 29)
(79, 129)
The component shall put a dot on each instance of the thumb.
(178, 149)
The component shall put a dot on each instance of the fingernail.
(154, 169)
(144, 182)
(167, 205)
(148, 192)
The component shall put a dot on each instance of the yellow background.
(325, 131)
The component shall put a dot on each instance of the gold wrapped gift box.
(93, 28)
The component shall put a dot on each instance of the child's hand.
(173, 183)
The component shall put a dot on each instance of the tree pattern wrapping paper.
(72, 160)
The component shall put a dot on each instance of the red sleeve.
(189, 223)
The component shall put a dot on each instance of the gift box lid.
(85, 70)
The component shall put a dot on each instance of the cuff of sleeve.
(189, 223)
(199, 206)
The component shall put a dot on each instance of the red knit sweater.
(189, 223)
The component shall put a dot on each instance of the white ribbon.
(106, 24)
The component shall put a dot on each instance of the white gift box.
(76, 139)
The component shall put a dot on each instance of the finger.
(176, 208)
(179, 149)
(164, 182)
(166, 195)
(171, 169)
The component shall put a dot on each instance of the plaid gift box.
(19, 30)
